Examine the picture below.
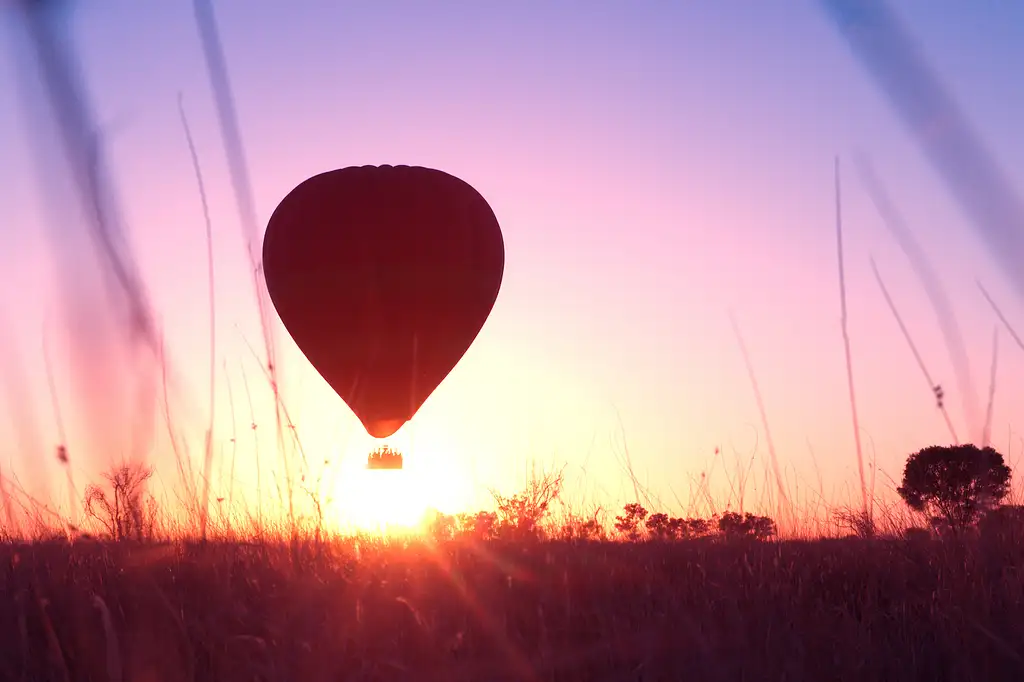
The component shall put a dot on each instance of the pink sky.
(651, 170)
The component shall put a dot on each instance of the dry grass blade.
(113, 650)
(208, 453)
(62, 437)
(932, 284)
(58, 665)
(987, 434)
(779, 484)
(846, 345)
(935, 388)
(234, 150)
(917, 94)
(999, 313)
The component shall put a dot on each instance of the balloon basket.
(384, 459)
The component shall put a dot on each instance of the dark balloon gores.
(383, 276)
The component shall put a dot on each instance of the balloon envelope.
(383, 276)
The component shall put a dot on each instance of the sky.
(655, 167)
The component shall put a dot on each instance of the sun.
(397, 501)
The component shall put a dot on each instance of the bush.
(733, 526)
(519, 516)
(1005, 522)
(955, 484)
(128, 512)
(629, 523)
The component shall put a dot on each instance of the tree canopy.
(956, 483)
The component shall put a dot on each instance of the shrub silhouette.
(954, 484)
(127, 512)
(917, 534)
(660, 526)
(519, 516)
(483, 525)
(691, 528)
(1005, 522)
(629, 523)
(441, 526)
(580, 527)
(733, 525)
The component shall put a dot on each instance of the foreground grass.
(355, 610)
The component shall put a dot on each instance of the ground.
(410, 610)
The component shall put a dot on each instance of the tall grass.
(986, 437)
(84, 162)
(235, 152)
(844, 325)
(999, 313)
(62, 437)
(922, 267)
(919, 98)
(784, 506)
(933, 386)
(200, 185)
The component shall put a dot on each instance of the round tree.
(955, 483)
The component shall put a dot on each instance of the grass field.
(373, 609)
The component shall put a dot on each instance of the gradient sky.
(653, 166)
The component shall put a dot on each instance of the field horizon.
(554, 600)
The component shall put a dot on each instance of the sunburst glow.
(396, 501)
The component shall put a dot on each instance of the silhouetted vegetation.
(954, 484)
(123, 508)
(513, 594)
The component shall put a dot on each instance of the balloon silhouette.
(383, 276)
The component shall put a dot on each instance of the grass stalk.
(867, 508)
(783, 498)
(211, 293)
(935, 388)
(62, 436)
(217, 70)
(999, 313)
(256, 449)
(234, 436)
(940, 303)
(986, 436)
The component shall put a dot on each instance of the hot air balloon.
(383, 276)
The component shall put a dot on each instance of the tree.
(660, 526)
(733, 525)
(519, 516)
(629, 523)
(577, 526)
(128, 512)
(483, 525)
(954, 484)
(441, 526)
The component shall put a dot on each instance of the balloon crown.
(384, 458)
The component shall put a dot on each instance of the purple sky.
(653, 167)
